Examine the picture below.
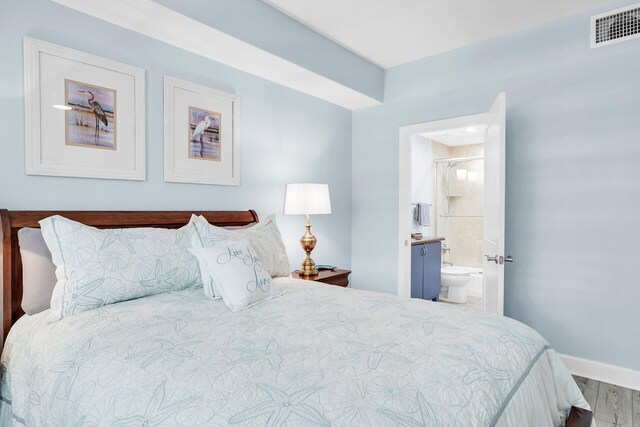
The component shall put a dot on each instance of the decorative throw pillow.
(99, 267)
(238, 275)
(210, 288)
(264, 237)
(207, 282)
(38, 271)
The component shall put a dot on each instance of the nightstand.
(332, 277)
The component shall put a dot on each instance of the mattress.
(318, 355)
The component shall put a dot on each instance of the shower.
(459, 218)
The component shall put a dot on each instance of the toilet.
(453, 284)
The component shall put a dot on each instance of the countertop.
(426, 240)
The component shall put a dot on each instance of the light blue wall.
(259, 24)
(282, 131)
(572, 159)
(573, 189)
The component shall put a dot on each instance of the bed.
(317, 355)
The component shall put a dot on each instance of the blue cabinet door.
(417, 271)
(432, 266)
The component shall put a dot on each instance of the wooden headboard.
(12, 221)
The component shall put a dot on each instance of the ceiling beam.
(164, 24)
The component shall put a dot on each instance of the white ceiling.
(393, 32)
(459, 136)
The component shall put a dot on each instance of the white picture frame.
(201, 134)
(79, 137)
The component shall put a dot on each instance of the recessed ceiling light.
(61, 107)
(471, 129)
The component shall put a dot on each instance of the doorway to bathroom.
(452, 199)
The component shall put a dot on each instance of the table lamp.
(307, 199)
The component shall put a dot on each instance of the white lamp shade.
(303, 199)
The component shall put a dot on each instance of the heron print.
(91, 122)
(204, 134)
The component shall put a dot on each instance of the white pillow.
(207, 282)
(238, 275)
(264, 237)
(209, 285)
(38, 271)
(99, 267)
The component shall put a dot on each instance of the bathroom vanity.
(426, 261)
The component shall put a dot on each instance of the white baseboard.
(604, 372)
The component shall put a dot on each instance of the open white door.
(494, 208)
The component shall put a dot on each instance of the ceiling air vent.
(615, 26)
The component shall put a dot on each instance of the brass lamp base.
(308, 242)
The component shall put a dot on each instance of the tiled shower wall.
(460, 204)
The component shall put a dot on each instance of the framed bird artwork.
(204, 134)
(85, 115)
(90, 104)
(201, 134)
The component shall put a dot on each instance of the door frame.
(404, 183)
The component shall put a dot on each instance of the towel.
(421, 214)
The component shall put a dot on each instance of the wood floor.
(612, 406)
